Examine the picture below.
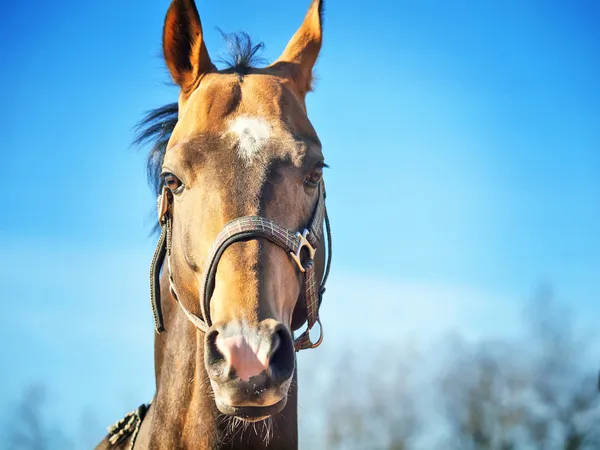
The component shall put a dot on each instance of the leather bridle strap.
(155, 265)
(240, 230)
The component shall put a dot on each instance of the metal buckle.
(303, 243)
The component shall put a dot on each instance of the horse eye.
(313, 178)
(172, 182)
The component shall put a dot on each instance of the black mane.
(156, 126)
(155, 130)
(243, 53)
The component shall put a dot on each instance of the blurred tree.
(27, 428)
(537, 391)
(565, 411)
(371, 406)
(481, 398)
(533, 392)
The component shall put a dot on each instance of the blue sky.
(464, 142)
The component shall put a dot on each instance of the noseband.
(240, 230)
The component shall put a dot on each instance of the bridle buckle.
(302, 244)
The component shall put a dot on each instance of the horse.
(238, 171)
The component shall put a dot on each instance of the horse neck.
(183, 413)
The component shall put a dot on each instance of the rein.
(239, 230)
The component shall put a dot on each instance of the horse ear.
(183, 45)
(303, 49)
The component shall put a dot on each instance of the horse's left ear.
(303, 49)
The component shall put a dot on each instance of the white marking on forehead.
(253, 134)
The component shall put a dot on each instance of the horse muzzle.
(250, 369)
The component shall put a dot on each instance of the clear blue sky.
(464, 141)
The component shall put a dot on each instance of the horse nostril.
(276, 341)
(282, 358)
(212, 353)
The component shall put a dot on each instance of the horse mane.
(243, 53)
(157, 125)
(155, 129)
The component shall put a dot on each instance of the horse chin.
(252, 413)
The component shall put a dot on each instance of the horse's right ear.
(183, 45)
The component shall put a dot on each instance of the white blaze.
(252, 134)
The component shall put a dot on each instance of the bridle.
(244, 229)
